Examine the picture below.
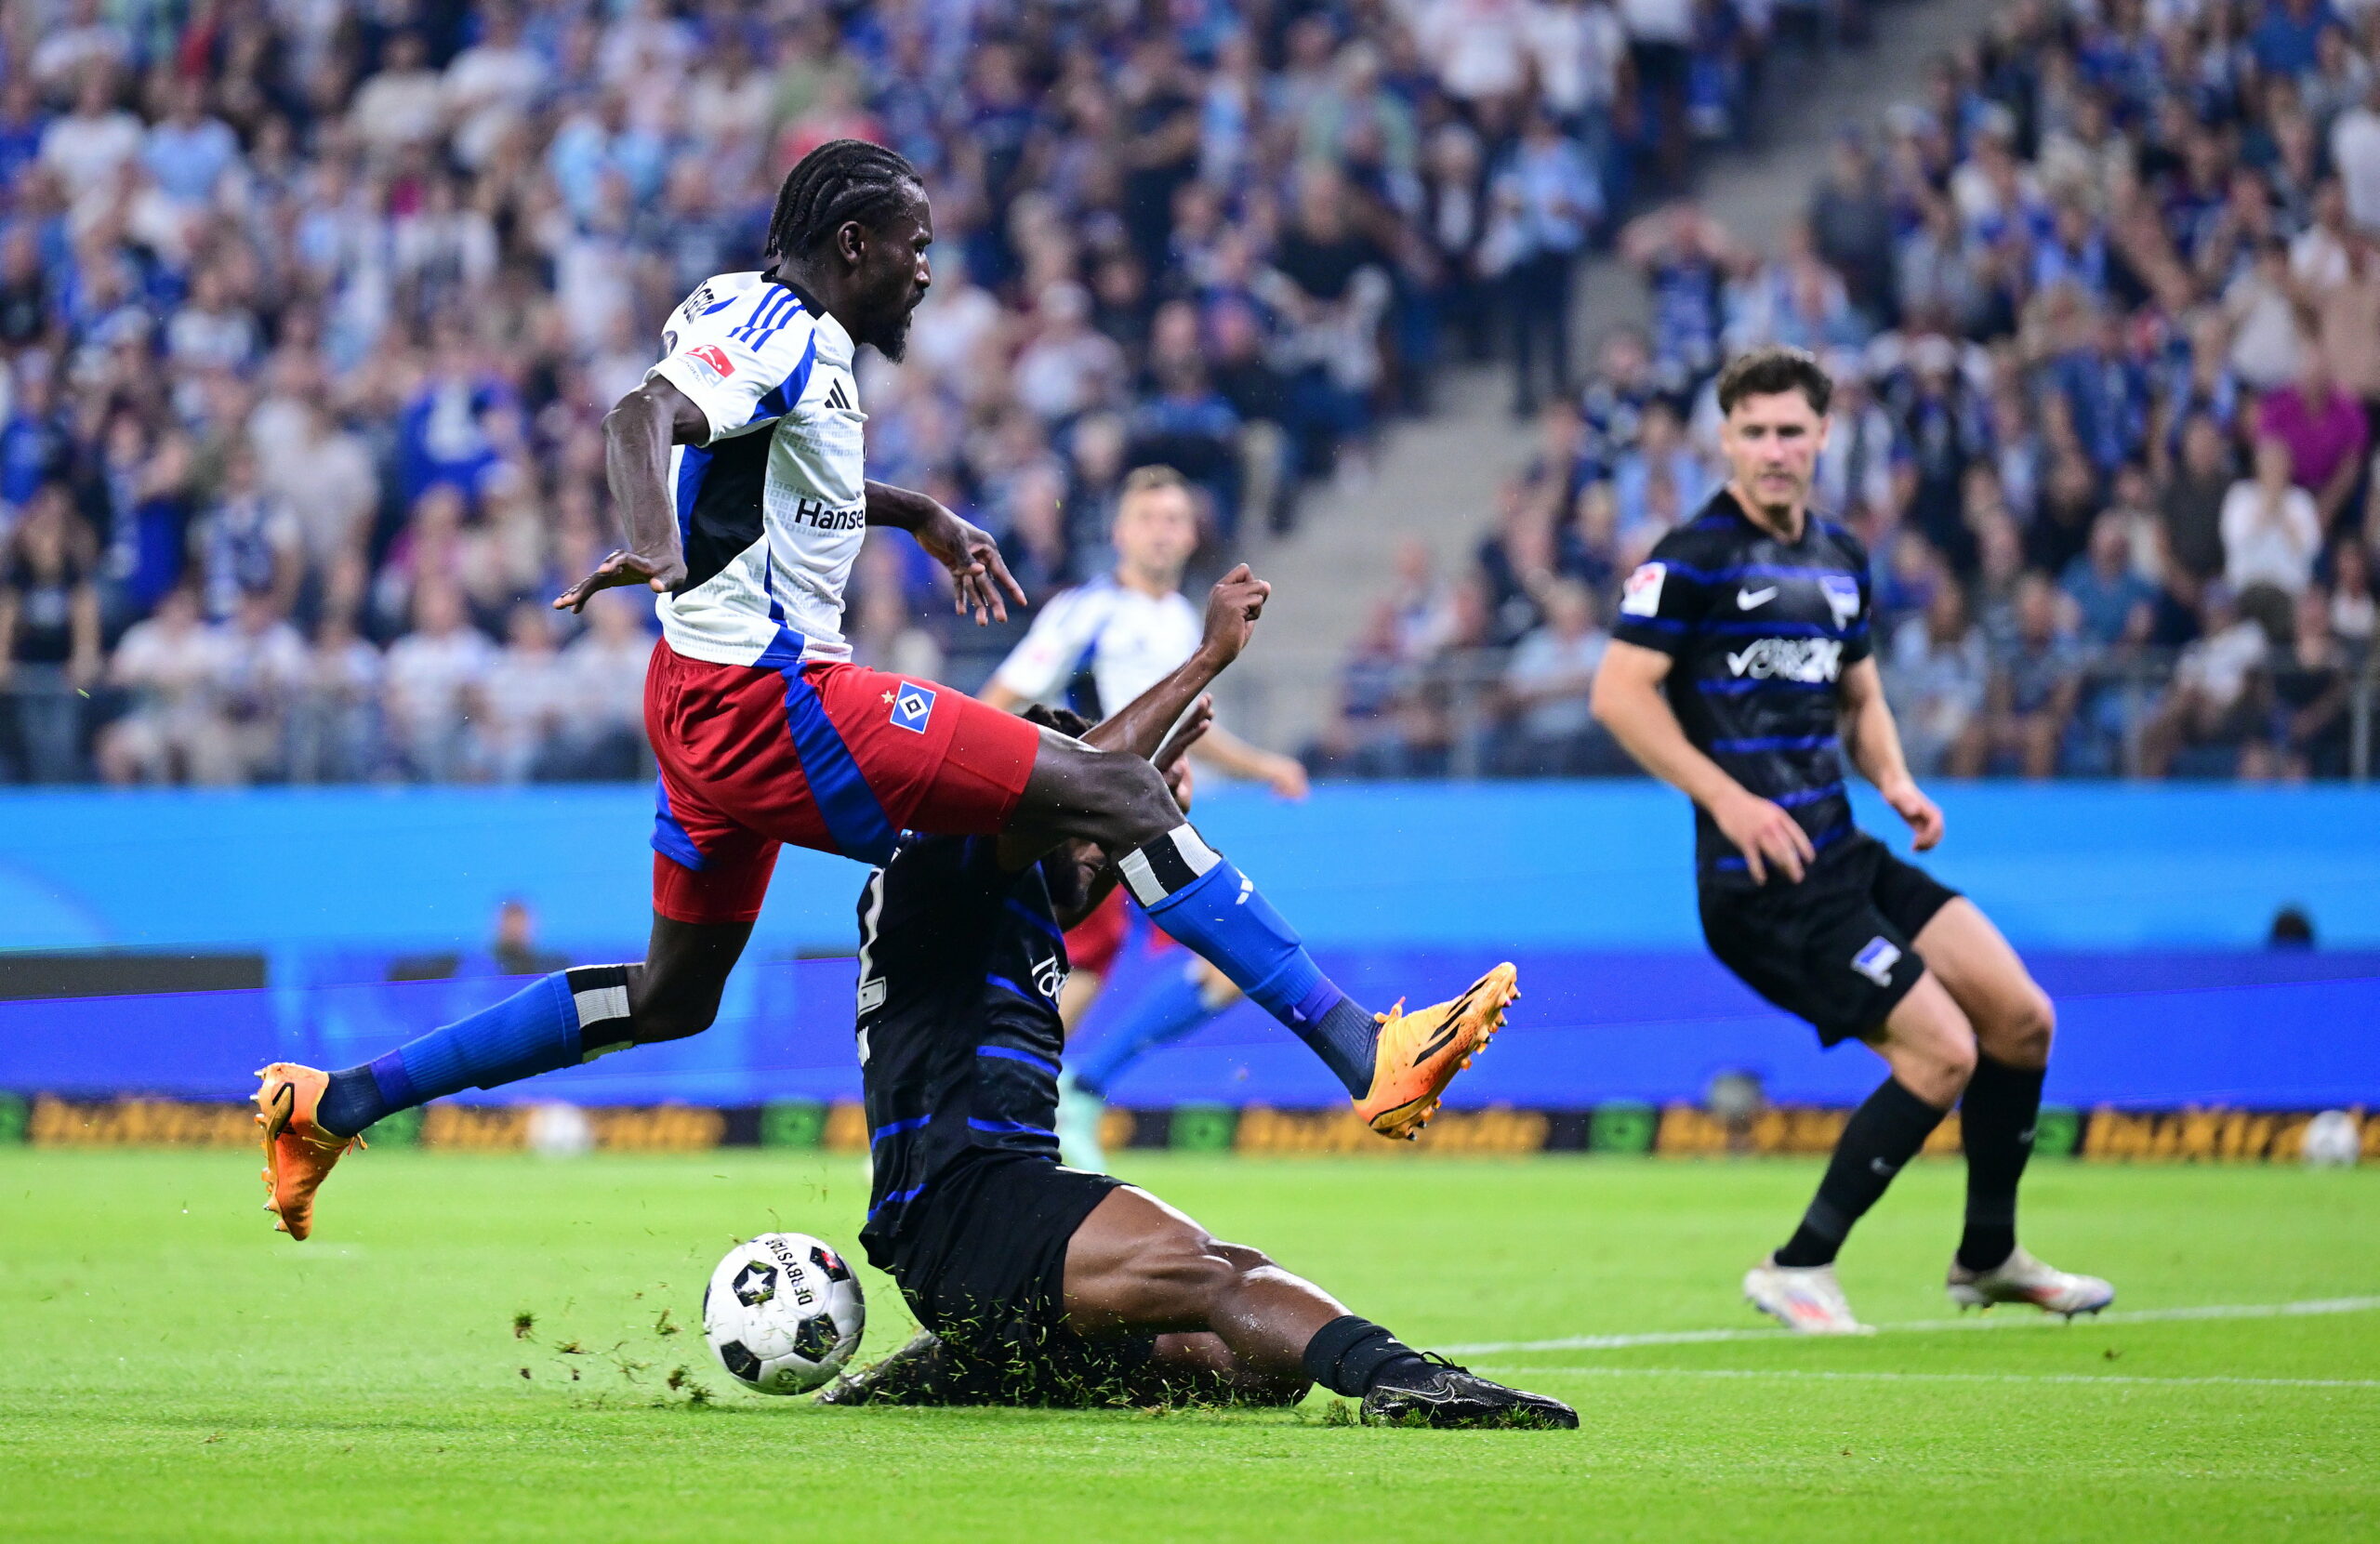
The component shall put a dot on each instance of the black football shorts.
(1835, 949)
(985, 1269)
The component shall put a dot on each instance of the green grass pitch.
(174, 1370)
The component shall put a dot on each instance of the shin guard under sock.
(1189, 889)
(1882, 1134)
(1996, 1121)
(558, 1021)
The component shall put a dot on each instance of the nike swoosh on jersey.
(1748, 599)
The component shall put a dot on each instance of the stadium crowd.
(2103, 309)
(311, 311)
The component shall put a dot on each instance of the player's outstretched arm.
(978, 572)
(1232, 607)
(1627, 701)
(637, 433)
(1875, 743)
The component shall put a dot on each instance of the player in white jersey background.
(1091, 649)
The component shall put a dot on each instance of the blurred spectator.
(515, 947)
(1547, 201)
(2113, 605)
(604, 668)
(2271, 528)
(2189, 506)
(1941, 680)
(2306, 725)
(2324, 428)
(2034, 692)
(50, 637)
(167, 663)
(1547, 684)
(2210, 704)
(431, 671)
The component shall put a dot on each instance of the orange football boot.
(298, 1153)
(1418, 1054)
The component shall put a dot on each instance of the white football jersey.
(1125, 640)
(773, 505)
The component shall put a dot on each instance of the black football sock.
(351, 1103)
(1882, 1135)
(1996, 1127)
(1348, 1355)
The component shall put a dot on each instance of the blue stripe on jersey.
(895, 1199)
(773, 300)
(1808, 795)
(1008, 1127)
(1774, 742)
(1738, 688)
(894, 1128)
(1818, 843)
(1019, 908)
(1007, 986)
(1009, 1053)
(670, 838)
(693, 464)
(780, 397)
(776, 324)
(855, 818)
(1755, 571)
(1784, 629)
(1659, 624)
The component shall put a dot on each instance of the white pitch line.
(1927, 1376)
(1980, 1321)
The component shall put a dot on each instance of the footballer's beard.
(891, 339)
(1777, 499)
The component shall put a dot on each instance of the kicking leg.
(310, 1118)
(1931, 1050)
(2013, 1024)
(1225, 1313)
(1396, 1066)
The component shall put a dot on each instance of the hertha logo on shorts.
(1876, 961)
(912, 707)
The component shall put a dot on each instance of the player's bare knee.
(2022, 1038)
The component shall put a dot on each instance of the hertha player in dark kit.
(1038, 1284)
(1740, 673)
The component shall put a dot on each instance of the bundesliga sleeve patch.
(712, 361)
(1842, 598)
(912, 708)
(1640, 594)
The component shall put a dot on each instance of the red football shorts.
(834, 757)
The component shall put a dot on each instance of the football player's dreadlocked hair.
(842, 180)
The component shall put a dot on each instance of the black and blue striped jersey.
(960, 1039)
(1761, 631)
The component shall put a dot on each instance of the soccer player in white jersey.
(1117, 637)
(738, 468)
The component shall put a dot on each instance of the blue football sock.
(1191, 892)
(1165, 1013)
(558, 1021)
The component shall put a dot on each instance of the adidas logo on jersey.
(1814, 660)
(837, 398)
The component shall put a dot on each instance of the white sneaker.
(2021, 1278)
(1079, 1114)
(1804, 1298)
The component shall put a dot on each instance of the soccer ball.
(782, 1312)
(2332, 1140)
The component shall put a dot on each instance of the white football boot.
(1804, 1298)
(1079, 1115)
(2021, 1278)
